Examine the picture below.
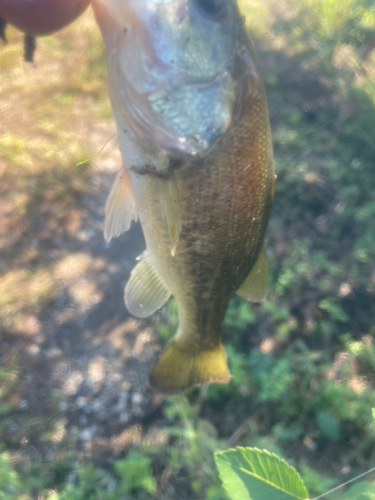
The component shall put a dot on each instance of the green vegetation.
(303, 363)
(252, 474)
(130, 475)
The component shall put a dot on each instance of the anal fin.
(120, 206)
(145, 292)
(254, 288)
(170, 208)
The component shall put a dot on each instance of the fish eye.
(212, 8)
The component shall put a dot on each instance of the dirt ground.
(80, 362)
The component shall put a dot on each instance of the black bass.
(195, 138)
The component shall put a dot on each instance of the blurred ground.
(64, 327)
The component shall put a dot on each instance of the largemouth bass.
(195, 138)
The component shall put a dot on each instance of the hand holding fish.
(41, 17)
(38, 18)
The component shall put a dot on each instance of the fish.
(195, 138)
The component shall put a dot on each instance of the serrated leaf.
(253, 474)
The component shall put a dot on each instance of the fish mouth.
(177, 110)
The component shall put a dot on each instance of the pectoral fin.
(254, 288)
(120, 206)
(170, 209)
(145, 292)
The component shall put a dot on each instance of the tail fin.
(182, 365)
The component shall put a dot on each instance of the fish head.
(177, 69)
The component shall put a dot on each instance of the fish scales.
(224, 197)
(224, 207)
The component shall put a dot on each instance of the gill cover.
(173, 68)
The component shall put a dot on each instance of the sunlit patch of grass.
(12, 148)
(20, 201)
(72, 266)
(47, 112)
(8, 379)
(105, 110)
(23, 290)
(258, 16)
(330, 19)
(46, 108)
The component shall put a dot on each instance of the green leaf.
(373, 414)
(252, 474)
(316, 482)
(5, 408)
(135, 473)
(9, 479)
(328, 425)
(361, 491)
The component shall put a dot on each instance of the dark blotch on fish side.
(176, 163)
(148, 170)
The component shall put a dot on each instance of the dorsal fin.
(120, 206)
(145, 292)
(254, 288)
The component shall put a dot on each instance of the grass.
(45, 152)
